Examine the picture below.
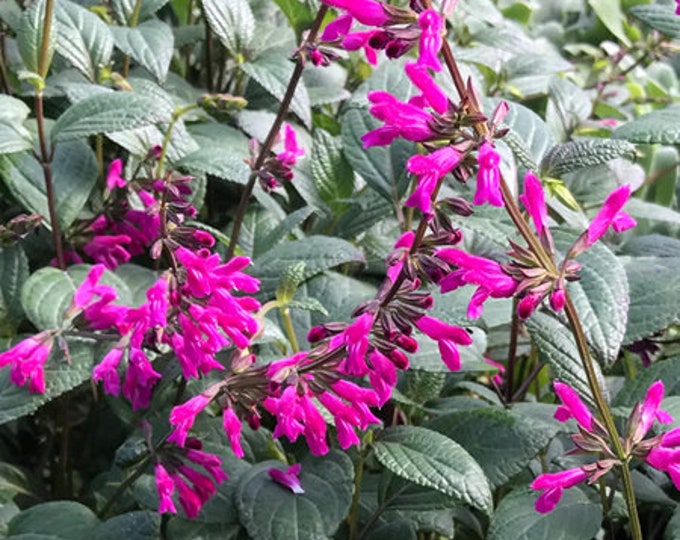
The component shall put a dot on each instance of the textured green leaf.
(13, 274)
(45, 296)
(333, 176)
(653, 306)
(575, 518)
(74, 174)
(640, 209)
(430, 459)
(298, 13)
(318, 252)
(660, 17)
(279, 232)
(183, 529)
(611, 15)
(601, 298)
(672, 531)
(13, 110)
(233, 22)
(634, 390)
(124, 9)
(270, 511)
(14, 138)
(567, 157)
(502, 442)
(108, 112)
(83, 38)
(30, 36)
(339, 294)
(226, 165)
(131, 526)
(65, 519)
(367, 209)
(272, 70)
(150, 44)
(557, 348)
(661, 126)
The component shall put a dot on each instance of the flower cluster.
(660, 451)
(276, 169)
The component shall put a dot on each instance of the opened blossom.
(430, 169)
(554, 484)
(448, 338)
(290, 478)
(431, 26)
(401, 120)
(488, 177)
(366, 12)
(113, 175)
(183, 417)
(27, 361)
(611, 215)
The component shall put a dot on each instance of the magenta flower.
(383, 376)
(572, 406)
(431, 26)
(366, 12)
(533, 200)
(558, 299)
(431, 92)
(139, 380)
(430, 169)
(27, 360)
(158, 301)
(290, 478)
(107, 371)
(357, 40)
(338, 28)
(292, 150)
(448, 337)
(488, 177)
(396, 259)
(210, 462)
(650, 411)
(189, 500)
(611, 214)
(401, 120)
(183, 417)
(553, 484)
(492, 281)
(108, 250)
(231, 424)
(665, 456)
(356, 337)
(87, 289)
(113, 177)
(528, 304)
(165, 487)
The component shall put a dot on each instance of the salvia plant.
(343, 269)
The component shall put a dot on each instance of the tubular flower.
(27, 360)
(401, 120)
(431, 92)
(165, 487)
(488, 275)
(431, 26)
(447, 336)
(366, 12)
(488, 177)
(290, 478)
(183, 417)
(231, 424)
(553, 485)
(572, 406)
(113, 177)
(430, 169)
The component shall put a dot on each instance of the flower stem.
(273, 132)
(605, 414)
(290, 331)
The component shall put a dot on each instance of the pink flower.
(527, 305)
(158, 302)
(533, 200)
(487, 274)
(113, 177)
(430, 169)
(87, 289)
(231, 424)
(290, 478)
(356, 337)
(27, 359)
(447, 336)
(139, 380)
(650, 411)
(488, 177)
(666, 455)
(396, 259)
(210, 462)
(572, 406)
(553, 484)
(166, 488)
(337, 28)
(366, 12)
(189, 500)
(401, 120)
(108, 250)
(383, 376)
(431, 26)
(431, 91)
(292, 150)
(107, 371)
(611, 214)
(183, 417)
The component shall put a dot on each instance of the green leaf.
(501, 441)
(640, 209)
(45, 296)
(64, 519)
(570, 156)
(151, 45)
(14, 137)
(634, 390)
(333, 176)
(340, 295)
(124, 9)
(432, 460)
(109, 112)
(652, 307)
(183, 529)
(402, 529)
(557, 348)
(137, 280)
(131, 526)
(272, 70)
(74, 174)
(367, 209)
(30, 37)
(661, 126)
(609, 12)
(601, 298)
(233, 23)
(672, 531)
(574, 518)
(13, 274)
(290, 281)
(83, 39)
(13, 110)
(319, 253)
(270, 511)
(279, 232)
(660, 17)
(227, 165)
(12, 482)
(298, 13)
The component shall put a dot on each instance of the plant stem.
(352, 517)
(46, 163)
(512, 354)
(133, 22)
(290, 330)
(44, 59)
(126, 483)
(605, 414)
(273, 132)
(176, 115)
(208, 55)
(3, 69)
